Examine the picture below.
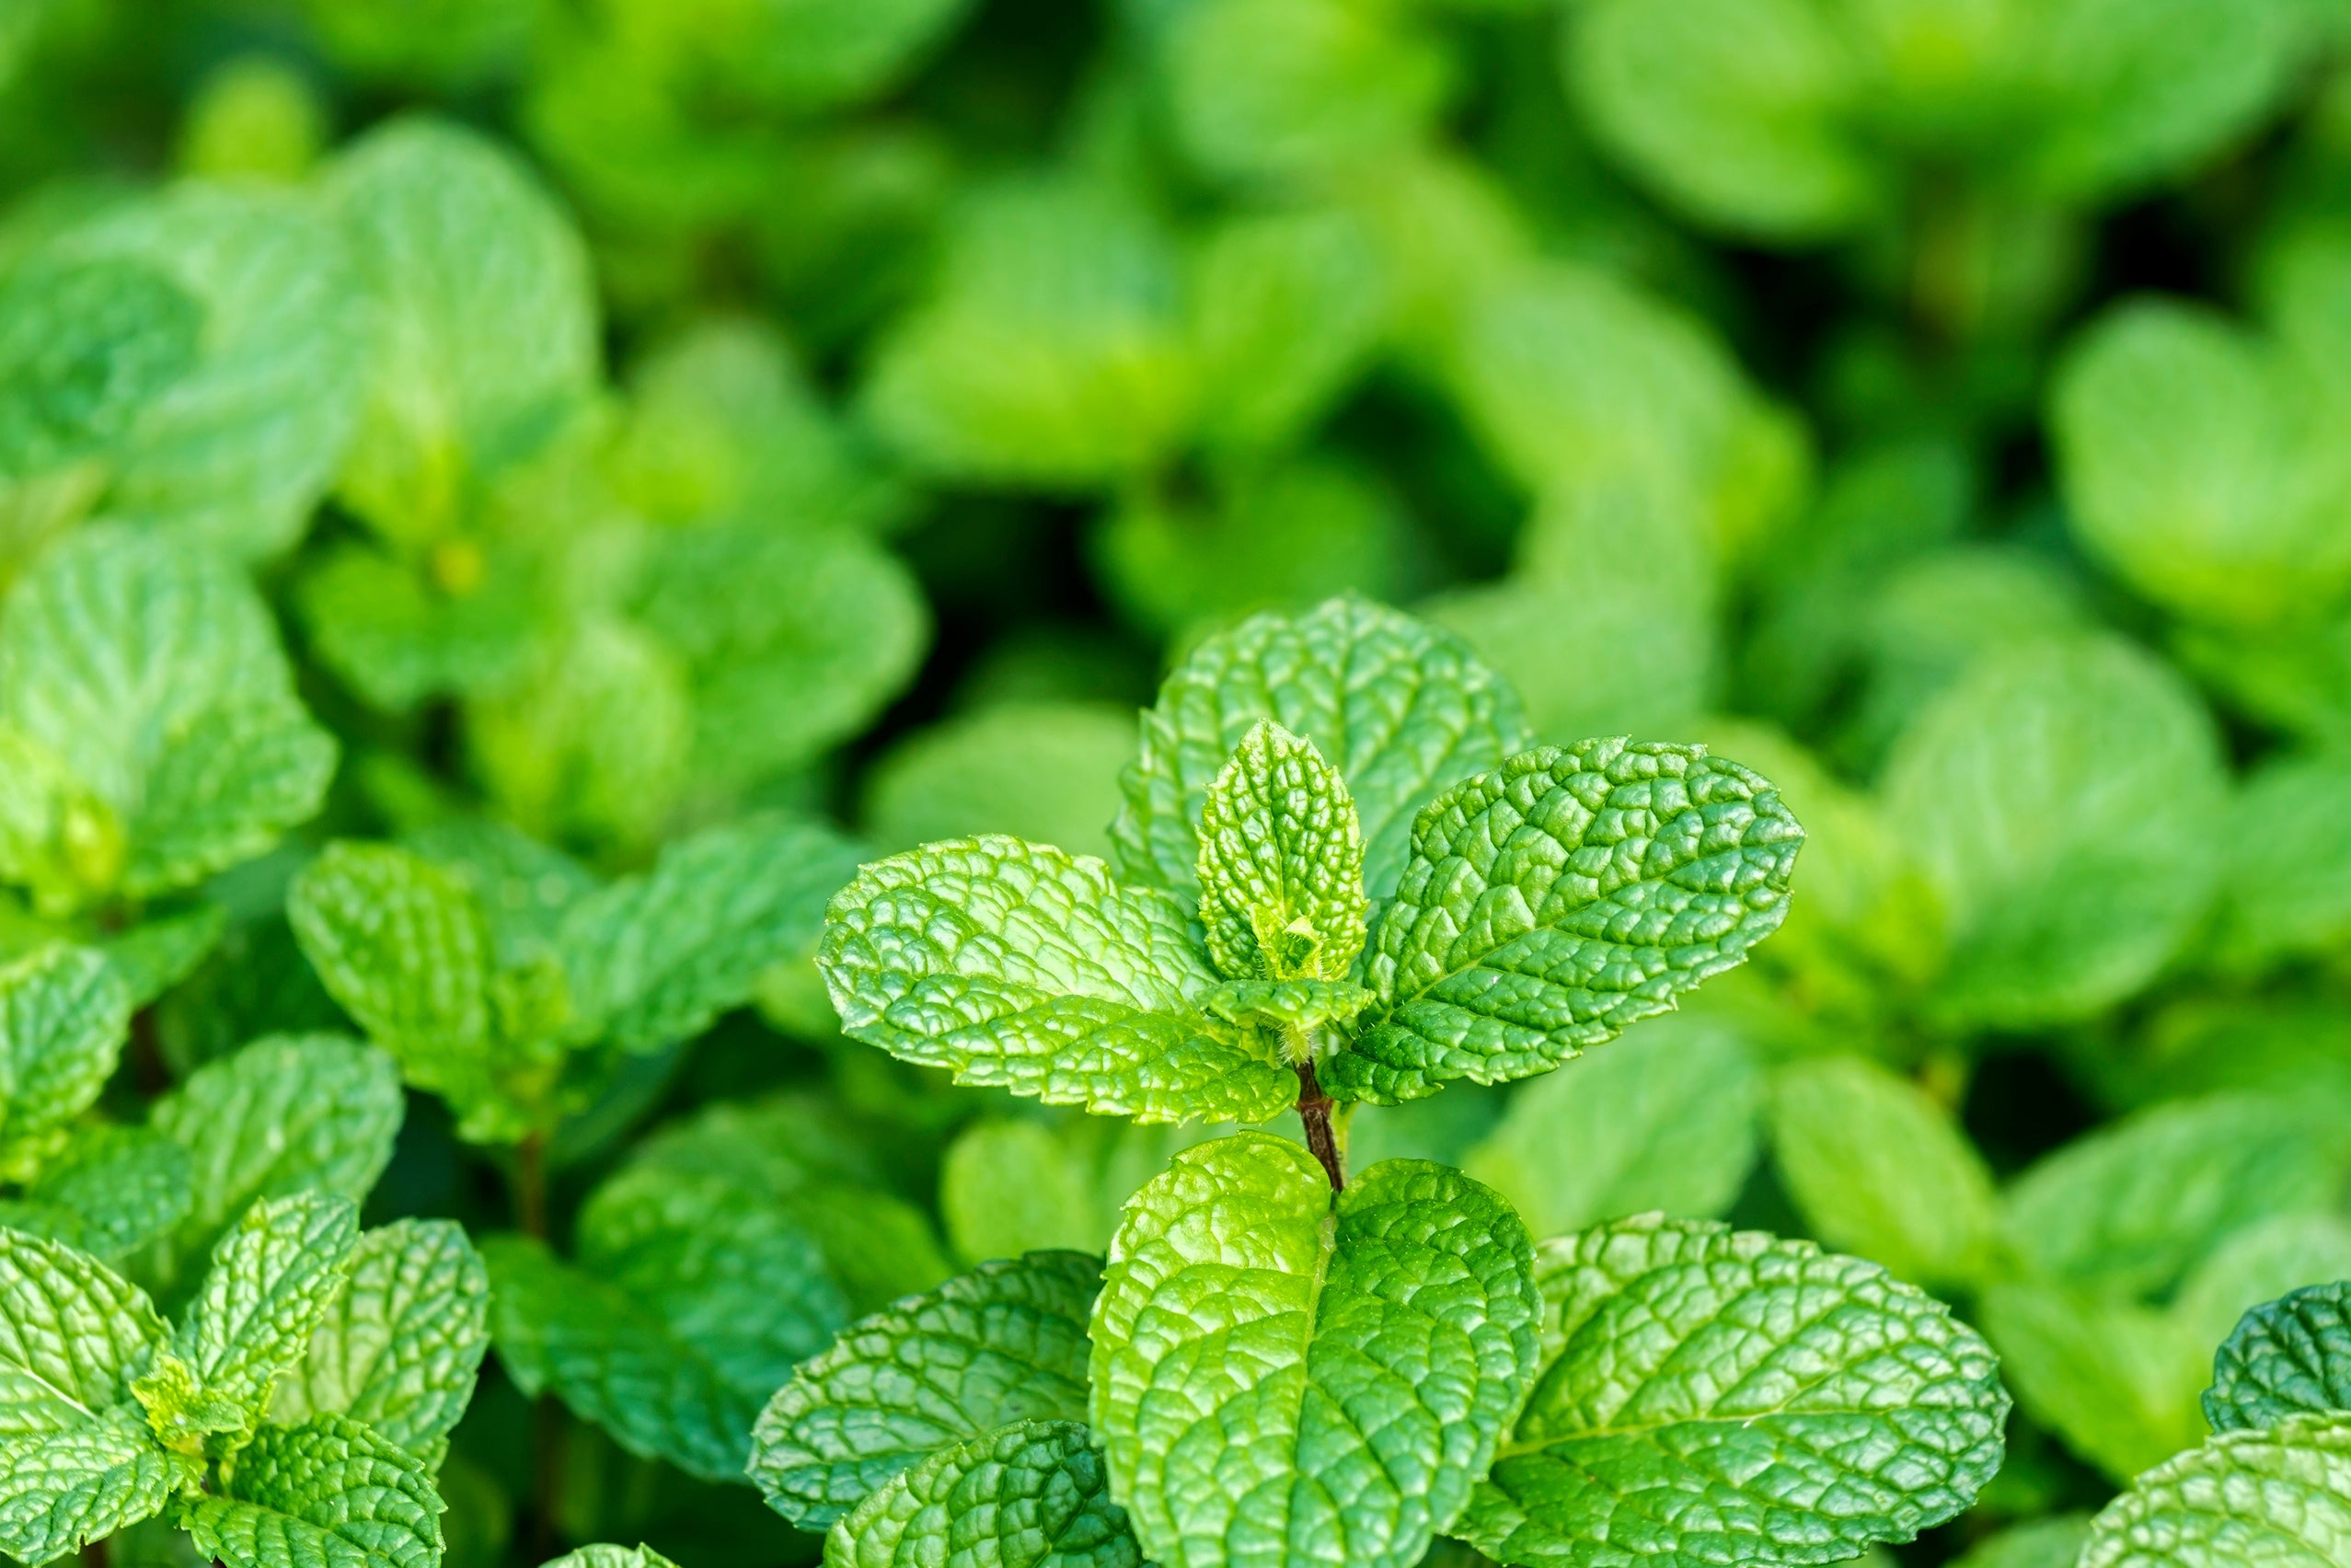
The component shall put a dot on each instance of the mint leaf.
(398, 637)
(604, 1555)
(655, 958)
(159, 954)
(1009, 1186)
(2263, 1496)
(286, 1114)
(2062, 796)
(1401, 708)
(1021, 967)
(1277, 1363)
(1877, 1168)
(2115, 1380)
(151, 672)
(86, 346)
(118, 1188)
(273, 1275)
(488, 330)
(59, 1491)
(2286, 1357)
(1006, 1342)
(399, 1348)
(327, 1495)
(1047, 772)
(1286, 308)
(1557, 899)
(1031, 1494)
(1666, 1119)
(64, 1013)
(2284, 888)
(1725, 1396)
(2037, 1543)
(1281, 863)
(74, 1335)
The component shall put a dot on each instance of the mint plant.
(1282, 1363)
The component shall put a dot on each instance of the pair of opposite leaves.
(1278, 1376)
(1346, 911)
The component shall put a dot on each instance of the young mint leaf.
(2286, 1357)
(118, 1188)
(1019, 966)
(604, 1555)
(64, 1013)
(327, 1494)
(1006, 1342)
(59, 1491)
(2037, 1543)
(2268, 1496)
(151, 672)
(488, 331)
(1557, 899)
(1401, 708)
(1724, 1396)
(655, 958)
(1043, 771)
(1877, 1168)
(1281, 863)
(2285, 885)
(1323, 1375)
(85, 347)
(1031, 1494)
(1285, 307)
(398, 637)
(159, 954)
(273, 1275)
(399, 1348)
(1011, 1185)
(286, 1114)
(2115, 1379)
(1666, 1119)
(74, 1335)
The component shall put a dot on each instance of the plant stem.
(1314, 1110)
(546, 1478)
(530, 1185)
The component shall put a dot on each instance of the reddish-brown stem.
(530, 1185)
(1314, 1110)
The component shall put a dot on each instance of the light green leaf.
(604, 1555)
(2133, 1207)
(1011, 1187)
(1006, 1342)
(398, 636)
(524, 887)
(273, 1275)
(1019, 966)
(1281, 863)
(486, 330)
(2280, 1498)
(397, 1349)
(795, 60)
(59, 1491)
(118, 1188)
(2115, 1379)
(64, 1013)
(151, 670)
(1031, 1494)
(1043, 771)
(2285, 885)
(85, 347)
(2286, 1357)
(1878, 1167)
(1401, 708)
(286, 1114)
(2258, 1264)
(1286, 308)
(328, 1495)
(2053, 1542)
(655, 958)
(74, 1335)
(1318, 1376)
(2064, 796)
(1557, 899)
(1664, 1119)
(1727, 1397)
(159, 954)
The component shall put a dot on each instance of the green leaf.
(327, 1495)
(1277, 1364)
(1664, 1119)
(796, 60)
(2064, 797)
(1006, 1342)
(1281, 863)
(1399, 708)
(2285, 885)
(1011, 1187)
(119, 1188)
(397, 1349)
(655, 958)
(2133, 1207)
(59, 1491)
(74, 1335)
(64, 1013)
(487, 332)
(2272, 1498)
(1878, 1167)
(286, 1114)
(273, 1275)
(1047, 772)
(2037, 1543)
(156, 954)
(85, 347)
(1559, 898)
(604, 1555)
(1727, 1397)
(2285, 1357)
(398, 636)
(1286, 309)
(1031, 1494)
(1021, 967)
(151, 670)
(2116, 1381)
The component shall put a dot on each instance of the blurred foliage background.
(638, 414)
